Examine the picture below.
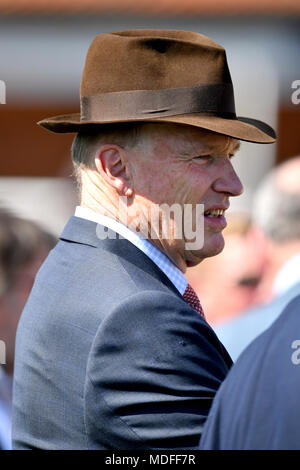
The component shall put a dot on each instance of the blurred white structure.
(256, 96)
(47, 201)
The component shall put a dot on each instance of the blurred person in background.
(23, 248)
(237, 272)
(276, 215)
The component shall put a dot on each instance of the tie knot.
(191, 298)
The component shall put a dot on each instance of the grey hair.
(276, 211)
(85, 144)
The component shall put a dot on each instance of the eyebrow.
(234, 150)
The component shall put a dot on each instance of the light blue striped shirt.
(160, 259)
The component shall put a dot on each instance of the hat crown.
(158, 75)
(152, 60)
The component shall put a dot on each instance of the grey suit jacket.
(108, 353)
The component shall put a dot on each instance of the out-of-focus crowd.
(23, 248)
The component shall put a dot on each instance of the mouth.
(215, 219)
(214, 213)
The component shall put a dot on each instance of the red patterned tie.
(192, 299)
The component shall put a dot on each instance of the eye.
(203, 157)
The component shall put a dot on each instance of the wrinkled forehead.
(212, 143)
(188, 141)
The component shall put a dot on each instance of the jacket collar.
(84, 232)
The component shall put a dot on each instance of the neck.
(172, 254)
(135, 217)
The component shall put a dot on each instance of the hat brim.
(242, 128)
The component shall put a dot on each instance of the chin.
(215, 245)
(212, 247)
(213, 252)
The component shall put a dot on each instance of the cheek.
(160, 188)
(189, 184)
(198, 185)
(172, 182)
(148, 182)
(160, 184)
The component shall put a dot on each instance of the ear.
(111, 163)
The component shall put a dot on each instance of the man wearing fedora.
(113, 349)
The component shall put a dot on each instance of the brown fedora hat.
(158, 76)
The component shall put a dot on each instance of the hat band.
(147, 104)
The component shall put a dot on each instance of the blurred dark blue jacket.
(257, 406)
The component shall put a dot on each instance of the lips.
(214, 213)
(215, 217)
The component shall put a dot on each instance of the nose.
(228, 181)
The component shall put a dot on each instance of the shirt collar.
(160, 259)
